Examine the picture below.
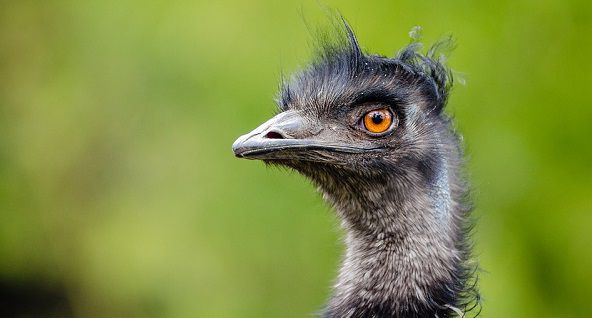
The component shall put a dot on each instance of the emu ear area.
(440, 78)
(432, 75)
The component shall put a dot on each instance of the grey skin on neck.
(405, 247)
(398, 191)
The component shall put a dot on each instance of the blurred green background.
(120, 196)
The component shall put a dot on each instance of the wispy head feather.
(339, 64)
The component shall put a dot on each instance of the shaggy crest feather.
(339, 55)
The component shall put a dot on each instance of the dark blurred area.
(120, 195)
(33, 299)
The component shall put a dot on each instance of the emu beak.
(283, 131)
(290, 136)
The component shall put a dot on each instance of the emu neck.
(403, 251)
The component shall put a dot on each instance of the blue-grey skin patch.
(441, 195)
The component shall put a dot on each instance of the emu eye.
(378, 121)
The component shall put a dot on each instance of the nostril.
(274, 135)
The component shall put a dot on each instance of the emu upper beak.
(283, 135)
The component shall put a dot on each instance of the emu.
(371, 134)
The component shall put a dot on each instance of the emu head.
(351, 118)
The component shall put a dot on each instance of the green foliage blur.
(120, 195)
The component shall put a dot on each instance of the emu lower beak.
(282, 136)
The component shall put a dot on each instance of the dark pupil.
(377, 118)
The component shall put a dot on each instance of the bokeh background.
(120, 196)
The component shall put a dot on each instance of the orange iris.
(378, 121)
